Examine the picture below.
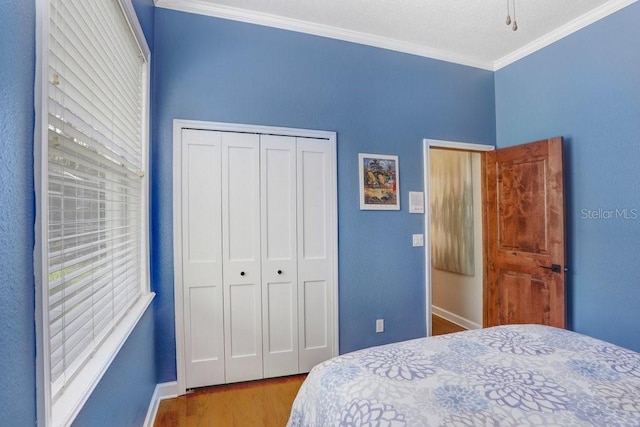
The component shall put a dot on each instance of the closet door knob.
(279, 271)
(242, 273)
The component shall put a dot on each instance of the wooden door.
(524, 235)
(279, 255)
(241, 256)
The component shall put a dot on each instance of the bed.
(524, 375)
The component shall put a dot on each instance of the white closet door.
(315, 254)
(202, 258)
(279, 266)
(241, 252)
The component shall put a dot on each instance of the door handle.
(556, 268)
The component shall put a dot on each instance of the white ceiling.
(470, 32)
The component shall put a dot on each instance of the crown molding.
(252, 17)
(562, 32)
(225, 12)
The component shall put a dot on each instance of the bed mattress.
(516, 375)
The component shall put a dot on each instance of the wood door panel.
(524, 235)
(524, 298)
(521, 203)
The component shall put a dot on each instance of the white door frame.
(427, 145)
(178, 125)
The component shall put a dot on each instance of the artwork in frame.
(379, 182)
(451, 187)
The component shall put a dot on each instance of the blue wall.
(586, 88)
(130, 381)
(123, 395)
(376, 100)
(146, 12)
(17, 294)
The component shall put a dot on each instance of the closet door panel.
(315, 255)
(241, 251)
(202, 258)
(279, 265)
(278, 187)
(205, 343)
(243, 337)
(280, 325)
(241, 198)
(315, 301)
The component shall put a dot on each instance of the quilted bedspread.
(518, 375)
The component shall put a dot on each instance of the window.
(91, 193)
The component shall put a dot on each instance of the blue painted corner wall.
(586, 88)
(17, 286)
(376, 100)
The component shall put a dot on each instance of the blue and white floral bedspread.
(519, 375)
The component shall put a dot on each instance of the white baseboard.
(454, 318)
(163, 391)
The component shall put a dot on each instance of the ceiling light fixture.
(514, 23)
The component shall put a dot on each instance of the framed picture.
(379, 182)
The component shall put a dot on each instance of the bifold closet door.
(315, 210)
(241, 256)
(202, 258)
(279, 265)
(257, 220)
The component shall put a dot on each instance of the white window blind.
(95, 224)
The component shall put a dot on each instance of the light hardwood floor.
(440, 326)
(262, 403)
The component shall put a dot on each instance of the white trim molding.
(426, 145)
(251, 17)
(162, 391)
(562, 32)
(454, 318)
(468, 146)
(69, 405)
(203, 7)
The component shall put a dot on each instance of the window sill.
(76, 393)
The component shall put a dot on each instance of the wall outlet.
(379, 325)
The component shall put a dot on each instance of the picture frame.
(379, 181)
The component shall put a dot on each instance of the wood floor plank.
(440, 326)
(265, 403)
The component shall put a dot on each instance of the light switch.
(418, 240)
(416, 202)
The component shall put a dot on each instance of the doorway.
(454, 292)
